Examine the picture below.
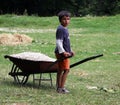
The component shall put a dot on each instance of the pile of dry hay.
(34, 56)
(14, 39)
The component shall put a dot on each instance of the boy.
(63, 49)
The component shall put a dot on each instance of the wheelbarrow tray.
(34, 67)
(23, 67)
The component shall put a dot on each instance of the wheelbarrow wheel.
(20, 77)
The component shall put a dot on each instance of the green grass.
(89, 36)
(24, 21)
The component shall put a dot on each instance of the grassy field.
(89, 36)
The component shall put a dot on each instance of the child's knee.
(66, 71)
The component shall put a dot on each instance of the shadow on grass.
(43, 86)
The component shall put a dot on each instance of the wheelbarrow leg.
(40, 79)
(35, 79)
(50, 79)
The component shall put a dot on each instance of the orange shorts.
(64, 64)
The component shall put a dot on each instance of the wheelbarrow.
(22, 68)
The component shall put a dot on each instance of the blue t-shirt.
(62, 35)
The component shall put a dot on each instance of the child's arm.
(60, 46)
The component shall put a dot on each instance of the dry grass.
(18, 104)
(14, 39)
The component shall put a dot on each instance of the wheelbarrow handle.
(85, 60)
(58, 60)
(75, 64)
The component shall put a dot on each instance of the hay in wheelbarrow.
(34, 56)
(14, 39)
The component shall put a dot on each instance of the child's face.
(65, 21)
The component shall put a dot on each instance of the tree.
(52, 7)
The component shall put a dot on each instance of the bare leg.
(64, 76)
(59, 78)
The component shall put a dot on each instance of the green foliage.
(89, 36)
(52, 7)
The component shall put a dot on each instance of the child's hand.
(72, 53)
(66, 54)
